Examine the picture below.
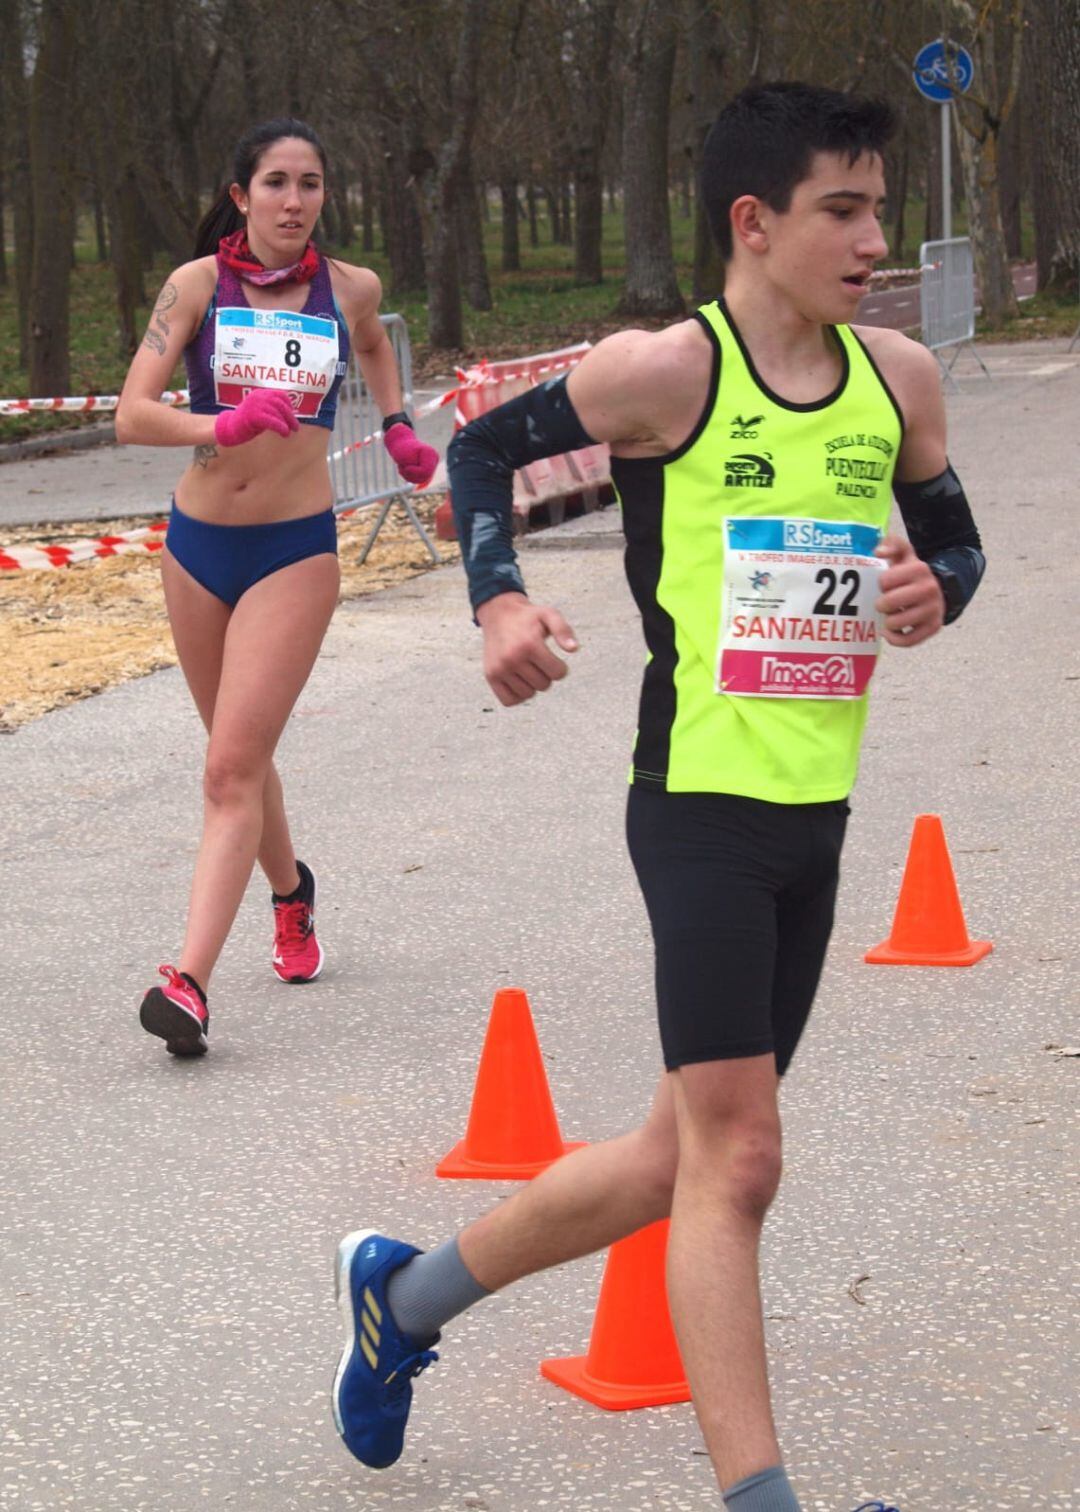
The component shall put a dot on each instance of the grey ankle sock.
(431, 1289)
(767, 1491)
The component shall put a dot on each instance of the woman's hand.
(260, 410)
(413, 458)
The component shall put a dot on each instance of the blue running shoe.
(373, 1385)
(878, 1506)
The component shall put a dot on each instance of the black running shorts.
(740, 895)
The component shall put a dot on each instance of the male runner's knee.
(740, 1168)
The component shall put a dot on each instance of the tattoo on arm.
(155, 339)
(204, 455)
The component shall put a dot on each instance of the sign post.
(943, 69)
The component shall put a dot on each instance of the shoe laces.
(179, 983)
(293, 923)
(397, 1383)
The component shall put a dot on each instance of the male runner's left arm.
(605, 398)
(932, 575)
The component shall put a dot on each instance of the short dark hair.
(763, 141)
(223, 218)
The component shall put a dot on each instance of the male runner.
(755, 449)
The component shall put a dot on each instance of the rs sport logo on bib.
(277, 349)
(798, 617)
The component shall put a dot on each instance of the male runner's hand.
(517, 661)
(911, 597)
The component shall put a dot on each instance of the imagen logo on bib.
(798, 617)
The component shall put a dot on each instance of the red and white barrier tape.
(148, 538)
(84, 403)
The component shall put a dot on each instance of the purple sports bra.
(237, 348)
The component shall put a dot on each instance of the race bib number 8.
(798, 617)
(276, 349)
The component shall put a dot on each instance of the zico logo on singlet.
(749, 471)
(858, 477)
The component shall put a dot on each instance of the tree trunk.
(17, 161)
(53, 200)
(591, 94)
(511, 235)
(534, 227)
(441, 187)
(553, 214)
(933, 222)
(1009, 183)
(367, 210)
(346, 229)
(900, 189)
(981, 113)
(651, 285)
(1054, 48)
(474, 270)
(566, 214)
(705, 45)
(402, 226)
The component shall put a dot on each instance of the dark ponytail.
(223, 218)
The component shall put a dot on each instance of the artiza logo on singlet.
(749, 471)
(779, 674)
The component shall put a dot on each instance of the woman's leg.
(269, 645)
(198, 620)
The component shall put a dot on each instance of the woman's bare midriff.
(270, 478)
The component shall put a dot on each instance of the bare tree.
(992, 32)
(1053, 45)
(651, 285)
(17, 159)
(707, 55)
(52, 198)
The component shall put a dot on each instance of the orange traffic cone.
(512, 1133)
(928, 927)
(633, 1358)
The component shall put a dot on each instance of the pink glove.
(261, 410)
(414, 459)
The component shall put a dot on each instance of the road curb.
(58, 441)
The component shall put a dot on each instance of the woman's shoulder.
(194, 282)
(356, 288)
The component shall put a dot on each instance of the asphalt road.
(167, 1230)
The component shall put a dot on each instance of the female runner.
(250, 568)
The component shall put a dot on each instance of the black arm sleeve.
(481, 461)
(943, 534)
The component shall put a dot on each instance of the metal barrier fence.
(947, 298)
(363, 475)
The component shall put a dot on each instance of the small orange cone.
(928, 927)
(512, 1133)
(633, 1358)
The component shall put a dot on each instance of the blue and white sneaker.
(373, 1385)
(876, 1506)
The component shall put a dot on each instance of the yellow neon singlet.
(749, 553)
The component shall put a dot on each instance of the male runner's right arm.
(605, 398)
(141, 418)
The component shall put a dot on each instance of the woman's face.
(283, 200)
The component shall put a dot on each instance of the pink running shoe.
(177, 1013)
(298, 955)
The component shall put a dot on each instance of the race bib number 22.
(798, 617)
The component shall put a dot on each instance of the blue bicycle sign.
(938, 76)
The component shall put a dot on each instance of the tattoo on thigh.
(204, 455)
(157, 333)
